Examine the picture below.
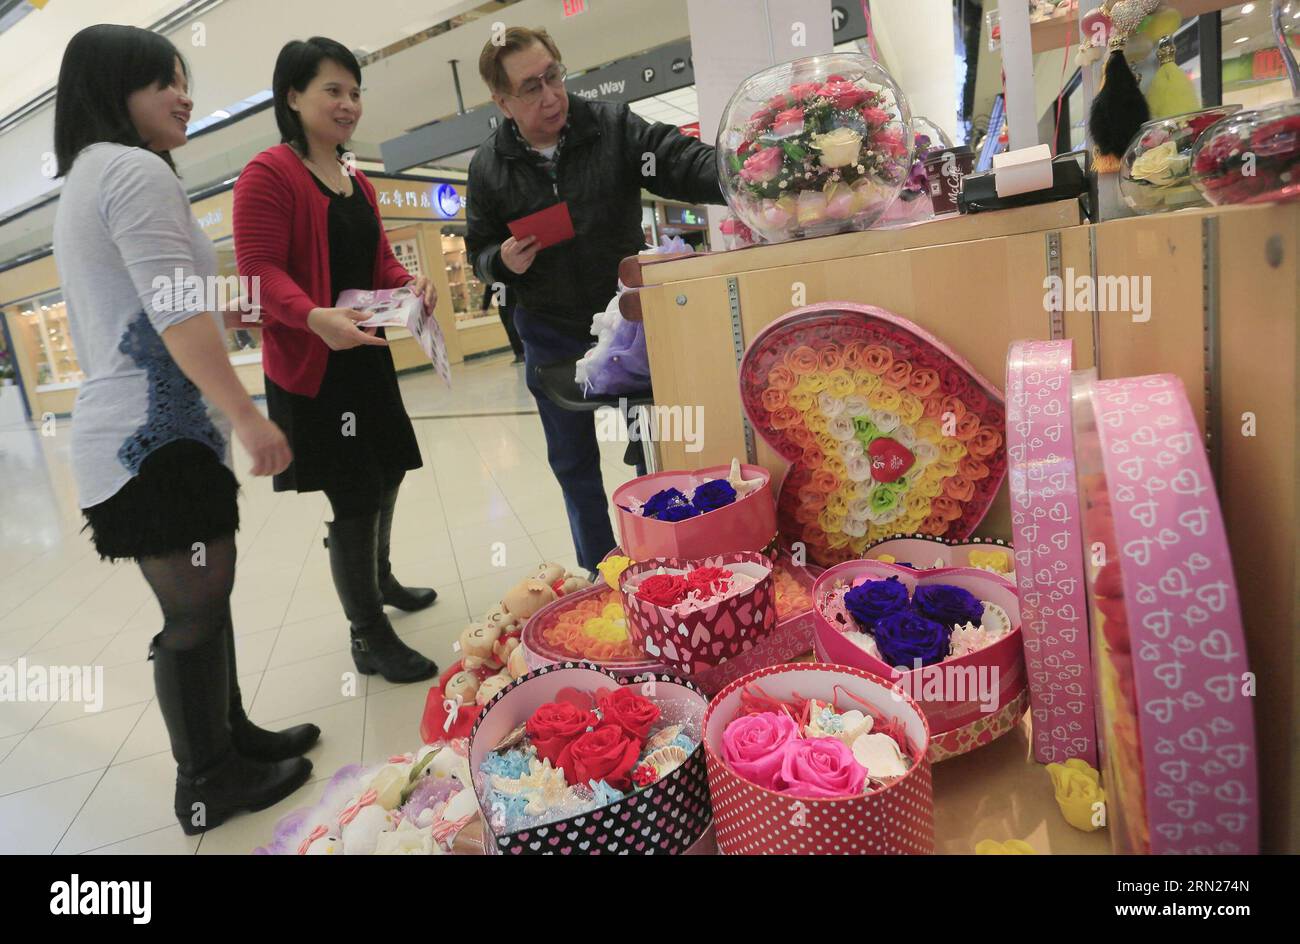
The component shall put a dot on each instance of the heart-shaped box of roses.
(696, 641)
(924, 552)
(887, 429)
(969, 700)
(669, 817)
(746, 524)
(554, 634)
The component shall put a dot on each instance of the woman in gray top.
(151, 464)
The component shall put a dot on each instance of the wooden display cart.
(1224, 294)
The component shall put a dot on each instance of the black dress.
(354, 435)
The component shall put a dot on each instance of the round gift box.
(539, 652)
(669, 817)
(958, 720)
(1178, 743)
(754, 820)
(1047, 528)
(747, 524)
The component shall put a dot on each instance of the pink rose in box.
(754, 745)
(820, 767)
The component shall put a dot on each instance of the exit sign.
(574, 7)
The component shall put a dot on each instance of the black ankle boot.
(353, 547)
(213, 780)
(409, 599)
(257, 743)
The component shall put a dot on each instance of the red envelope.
(551, 226)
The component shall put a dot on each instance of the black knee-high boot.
(255, 742)
(409, 599)
(213, 780)
(354, 548)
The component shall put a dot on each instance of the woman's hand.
(337, 327)
(264, 442)
(425, 289)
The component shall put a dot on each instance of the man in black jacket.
(596, 157)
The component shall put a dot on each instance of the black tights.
(350, 502)
(193, 588)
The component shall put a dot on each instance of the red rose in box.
(818, 759)
(571, 759)
(950, 638)
(694, 514)
(694, 615)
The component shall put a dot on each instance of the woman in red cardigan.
(308, 228)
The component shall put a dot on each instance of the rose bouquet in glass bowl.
(1156, 173)
(1251, 157)
(816, 146)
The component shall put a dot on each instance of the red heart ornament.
(890, 460)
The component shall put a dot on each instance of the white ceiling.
(401, 91)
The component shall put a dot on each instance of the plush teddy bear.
(559, 579)
(463, 685)
(518, 664)
(524, 599)
(489, 689)
(476, 643)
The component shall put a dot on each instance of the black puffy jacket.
(599, 174)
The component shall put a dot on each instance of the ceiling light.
(1241, 39)
(1247, 9)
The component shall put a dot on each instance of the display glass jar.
(1156, 173)
(1251, 157)
(816, 146)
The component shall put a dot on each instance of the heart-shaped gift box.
(669, 817)
(746, 524)
(887, 430)
(544, 641)
(925, 552)
(701, 639)
(980, 689)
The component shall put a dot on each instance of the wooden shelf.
(1056, 33)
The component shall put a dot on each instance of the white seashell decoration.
(880, 756)
(667, 759)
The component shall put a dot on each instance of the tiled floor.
(74, 782)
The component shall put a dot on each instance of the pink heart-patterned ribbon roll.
(1048, 536)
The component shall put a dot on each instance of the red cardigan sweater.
(281, 226)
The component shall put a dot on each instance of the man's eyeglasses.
(531, 89)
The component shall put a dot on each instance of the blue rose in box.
(873, 599)
(713, 495)
(949, 605)
(904, 637)
(660, 502)
(678, 513)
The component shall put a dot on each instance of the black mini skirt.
(183, 494)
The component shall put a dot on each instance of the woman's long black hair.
(298, 63)
(102, 66)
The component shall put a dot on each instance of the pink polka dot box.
(748, 819)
